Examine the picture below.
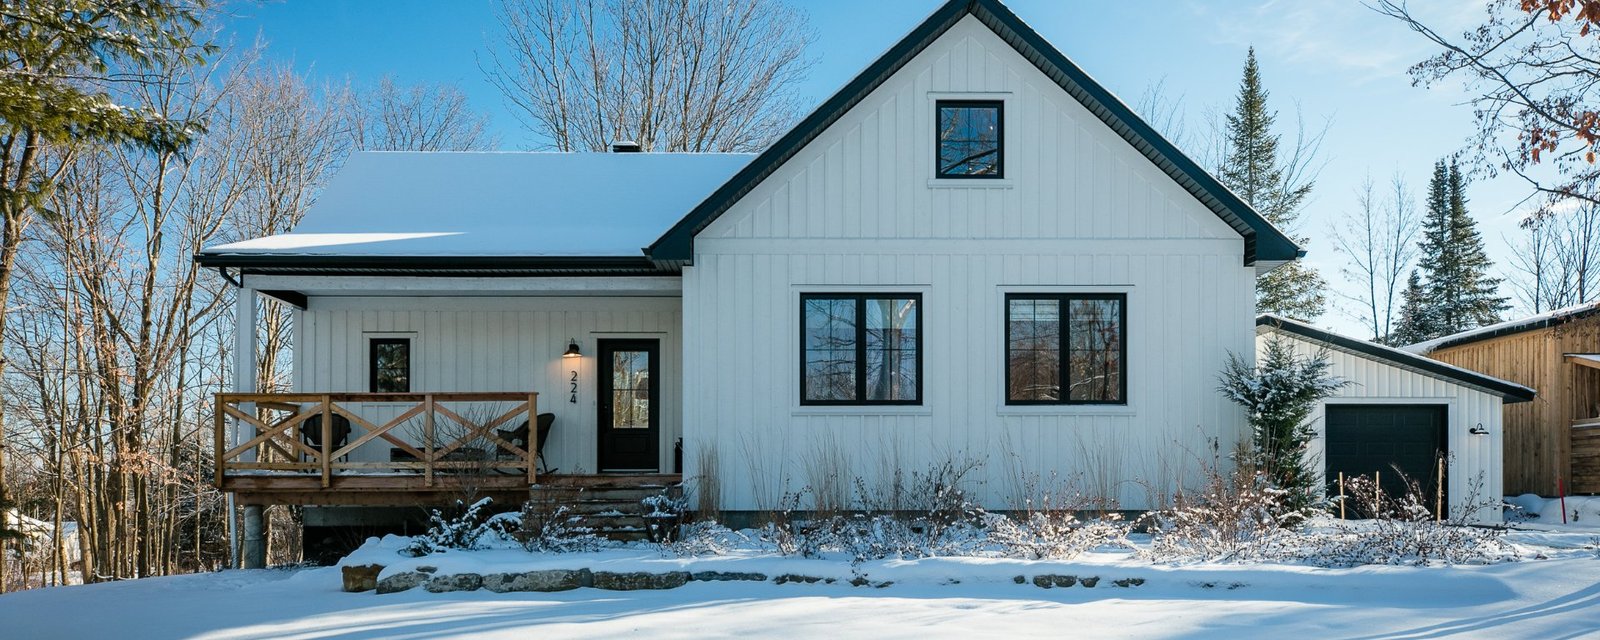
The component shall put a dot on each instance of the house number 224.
(574, 397)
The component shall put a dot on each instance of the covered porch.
(419, 391)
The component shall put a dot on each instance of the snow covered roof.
(1510, 392)
(496, 204)
(1509, 327)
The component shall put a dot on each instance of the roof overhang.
(1508, 328)
(1510, 392)
(1262, 241)
(435, 266)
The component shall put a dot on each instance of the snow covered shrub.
(790, 533)
(1046, 524)
(665, 515)
(1403, 530)
(1279, 395)
(1236, 515)
(927, 514)
(557, 531)
(465, 530)
(1054, 535)
(705, 538)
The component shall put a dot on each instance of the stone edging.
(365, 578)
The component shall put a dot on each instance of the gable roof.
(1509, 327)
(1510, 392)
(1262, 241)
(387, 209)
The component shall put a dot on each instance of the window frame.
(1064, 339)
(860, 298)
(999, 136)
(372, 362)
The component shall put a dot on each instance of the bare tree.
(1166, 113)
(1557, 260)
(1531, 66)
(421, 117)
(1378, 242)
(683, 75)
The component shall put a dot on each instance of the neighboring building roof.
(1509, 327)
(1511, 392)
(425, 209)
(1262, 241)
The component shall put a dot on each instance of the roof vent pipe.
(625, 146)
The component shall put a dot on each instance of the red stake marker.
(1561, 490)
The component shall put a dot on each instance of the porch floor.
(404, 490)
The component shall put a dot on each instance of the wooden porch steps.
(611, 505)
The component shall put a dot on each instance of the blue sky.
(1337, 62)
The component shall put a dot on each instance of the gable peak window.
(860, 348)
(389, 365)
(970, 138)
(1066, 348)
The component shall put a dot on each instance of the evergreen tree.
(1279, 393)
(1457, 291)
(1251, 168)
(1414, 324)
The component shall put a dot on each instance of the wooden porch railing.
(273, 427)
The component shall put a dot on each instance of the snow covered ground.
(1553, 594)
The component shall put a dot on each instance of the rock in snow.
(548, 580)
(361, 577)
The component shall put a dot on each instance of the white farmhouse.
(971, 253)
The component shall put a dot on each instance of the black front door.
(630, 410)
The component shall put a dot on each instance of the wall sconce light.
(1478, 430)
(572, 350)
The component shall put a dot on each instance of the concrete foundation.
(255, 538)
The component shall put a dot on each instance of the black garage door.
(1363, 439)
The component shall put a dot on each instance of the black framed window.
(389, 365)
(860, 348)
(1066, 348)
(970, 138)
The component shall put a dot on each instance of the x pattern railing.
(275, 444)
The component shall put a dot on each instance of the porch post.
(244, 360)
(254, 552)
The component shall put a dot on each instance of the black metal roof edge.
(1538, 322)
(1509, 391)
(1263, 241)
(423, 263)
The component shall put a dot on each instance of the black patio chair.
(519, 437)
(311, 432)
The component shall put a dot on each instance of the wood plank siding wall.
(494, 344)
(1079, 210)
(1539, 441)
(1475, 469)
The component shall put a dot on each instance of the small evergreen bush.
(1278, 396)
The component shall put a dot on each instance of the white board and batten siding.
(486, 344)
(1476, 465)
(1079, 210)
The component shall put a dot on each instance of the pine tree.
(1414, 324)
(1279, 394)
(1457, 291)
(1251, 168)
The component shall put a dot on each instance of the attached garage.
(1405, 411)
